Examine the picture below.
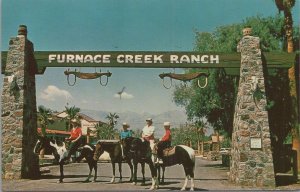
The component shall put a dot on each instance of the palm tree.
(105, 131)
(286, 6)
(44, 117)
(72, 114)
(199, 128)
(112, 119)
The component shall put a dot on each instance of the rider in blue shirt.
(125, 132)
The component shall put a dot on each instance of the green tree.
(72, 114)
(106, 131)
(199, 128)
(185, 135)
(286, 6)
(137, 133)
(213, 103)
(44, 118)
(112, 119)
(216, 101)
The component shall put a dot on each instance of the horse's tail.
(193, 158)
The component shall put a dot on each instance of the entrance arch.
(20, 65)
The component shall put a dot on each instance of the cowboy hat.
(167, 124)
(75, 121)
(149, 119)
(126, 124)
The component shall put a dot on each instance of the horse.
(179, 154)
(58, 149)
(114, 149)
(140, 152)
(126, 144)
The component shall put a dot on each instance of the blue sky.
(114, 25)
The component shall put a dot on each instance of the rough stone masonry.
(251, 156)
(19, 117)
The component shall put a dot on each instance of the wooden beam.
(229, 61)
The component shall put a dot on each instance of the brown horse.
(114, 149)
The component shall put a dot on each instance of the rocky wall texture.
(251, 165)
(19, 117)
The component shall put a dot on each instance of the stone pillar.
(19, 117)
(251, 156)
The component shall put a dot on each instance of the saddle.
(169, 151)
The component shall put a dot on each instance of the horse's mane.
(47, 139)
(128, 140)
(137, 139)
(59, 143)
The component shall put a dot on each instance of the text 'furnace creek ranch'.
(128, 58)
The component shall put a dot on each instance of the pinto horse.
(140, 152)
(58, 149)
(179, 154)
(114, 149)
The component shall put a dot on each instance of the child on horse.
(125, 133)
(164, 142)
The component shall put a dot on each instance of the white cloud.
(124, 95)
(51, 93)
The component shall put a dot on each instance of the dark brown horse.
(126, 144)
(114, 149)
(140, 152)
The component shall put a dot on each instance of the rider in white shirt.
(148, 132)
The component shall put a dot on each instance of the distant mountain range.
(138, 121)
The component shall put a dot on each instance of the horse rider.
(125, 133)
(164, 142)
(148, 133)
(75, 138)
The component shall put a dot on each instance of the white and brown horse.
(58, 149)
(179, 154)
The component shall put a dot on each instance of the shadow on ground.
(283, 180)
(178, 188)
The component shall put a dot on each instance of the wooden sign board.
(150, 59)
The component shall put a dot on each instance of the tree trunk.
(288, 22)
(199, 150)
(294, 115)
(218, 140)
(202, 148)
(288, 27)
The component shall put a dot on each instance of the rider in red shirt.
(165, 141)
(75, 138)
(167, 136)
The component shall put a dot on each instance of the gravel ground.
(209, 175)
